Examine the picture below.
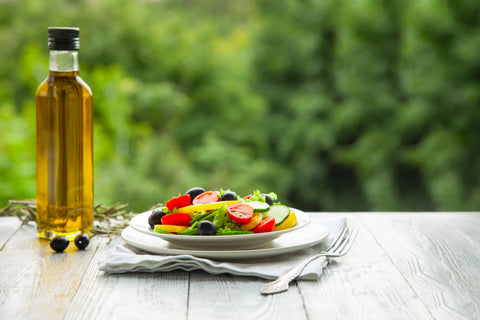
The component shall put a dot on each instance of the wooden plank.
(233, 297)
(465, 223)
(129, 296)
(35, 282)
(440, 262)
(364, 284)
(8, 226)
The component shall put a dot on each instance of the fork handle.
(295, 271)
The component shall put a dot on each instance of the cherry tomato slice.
(240, 213)
(266, 225)
(206, 197)
(178, 202)
(177, 219)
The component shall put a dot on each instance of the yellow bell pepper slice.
(206, 206)
(256, 218)
(170, 228)
(288, 223)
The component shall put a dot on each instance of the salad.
(204, 213)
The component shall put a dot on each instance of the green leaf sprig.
(107, 221)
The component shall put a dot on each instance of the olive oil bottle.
(64, 139)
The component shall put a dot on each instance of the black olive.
(59, 243)
(155, 217)
(229, 195)
(206, 228)
(82, 241)
(268, 198)
(193, 192)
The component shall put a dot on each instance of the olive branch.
(107, 221)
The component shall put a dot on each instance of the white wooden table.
(402, 266)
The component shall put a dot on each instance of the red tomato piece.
(247, 197)
(240, 213)
(177, 219)
(266, 225)
(178, 202)
(206, 197)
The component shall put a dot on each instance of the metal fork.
(339, 247)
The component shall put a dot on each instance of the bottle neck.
(63, 61)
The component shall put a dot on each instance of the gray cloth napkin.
(123, 259)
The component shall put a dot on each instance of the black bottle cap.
(63, 38)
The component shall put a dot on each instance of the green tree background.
(332, 104)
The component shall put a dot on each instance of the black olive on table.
(59, 244)
(82, 241)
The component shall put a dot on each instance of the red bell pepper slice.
(178, 202)
(177, 219)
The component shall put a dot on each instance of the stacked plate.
(303, 235)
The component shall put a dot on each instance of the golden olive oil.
(64, 129)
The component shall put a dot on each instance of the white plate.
(231, 242)
(309, 236)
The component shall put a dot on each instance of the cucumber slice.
(259, 206)
(279, 212)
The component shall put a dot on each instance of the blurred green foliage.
(334, 105)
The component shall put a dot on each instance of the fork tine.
(343, 242)
(347, 242)
(340, 241)
(337, 240)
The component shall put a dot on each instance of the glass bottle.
(64, 134)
